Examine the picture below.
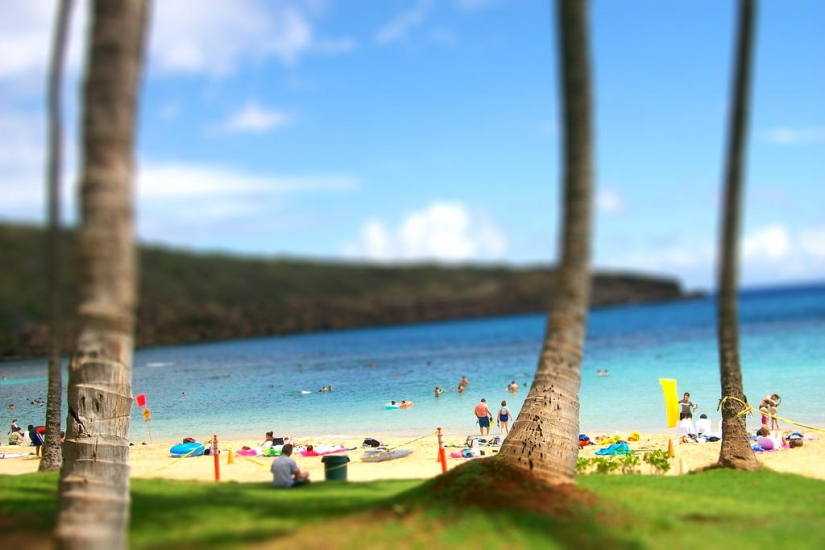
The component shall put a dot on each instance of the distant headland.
(186, 297)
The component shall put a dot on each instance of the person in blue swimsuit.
(504, 419)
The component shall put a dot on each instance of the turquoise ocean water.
(243, 388)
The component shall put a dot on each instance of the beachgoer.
(36, 439)
(62, 437)
(606, 373)
(685, 425)
(504, 419)
(687, 406)
(438, 391)
(513, 387)
(462, 384)
(767, 441)
(768, 407)
(13, 427)
(285, 471)
(183, 394)
(16, 437)
(268, 439)
(11, 406)
(703, 425)
(484, 416)
(598, 372)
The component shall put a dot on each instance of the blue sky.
(408, 130)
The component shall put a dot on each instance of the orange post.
(442, 456)
(215, 454)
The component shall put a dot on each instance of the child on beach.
(688, 406)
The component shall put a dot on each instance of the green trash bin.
(335, 467)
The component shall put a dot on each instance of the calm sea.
(243, 388)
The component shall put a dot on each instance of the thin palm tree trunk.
(735, 450)
(52, 453)
(544, 438)
(93, 507)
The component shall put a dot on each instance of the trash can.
(335, 467)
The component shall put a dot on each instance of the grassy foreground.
(716, 509)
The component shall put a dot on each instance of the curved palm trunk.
(52, 453)
(94, 481)
(736, 450)
(544, 438)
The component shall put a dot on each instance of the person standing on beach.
(687, 406)
(484, 416)
(504, 419)
(768, 409)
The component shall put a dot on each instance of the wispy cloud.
(444, 231)
(795, 136)
(400, 26)
(255, 119)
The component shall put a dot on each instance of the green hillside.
(186, 297)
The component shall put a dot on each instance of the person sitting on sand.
(16, 436)
(285, 471)
(767, 441)
(703, 425)
(268, 440)
(685, 425)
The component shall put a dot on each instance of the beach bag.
(277, 441)
(795, 443)
(370, 442)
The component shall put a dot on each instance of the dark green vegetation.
(186, 298)
(480, 505)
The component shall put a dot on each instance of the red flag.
(140, 400)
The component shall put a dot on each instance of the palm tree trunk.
(94, 482)
(544, 438)
(736, 450)
(52, 452)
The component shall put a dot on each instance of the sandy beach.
(154, 461)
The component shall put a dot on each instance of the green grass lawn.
(716, 509)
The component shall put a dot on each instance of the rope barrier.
(749, 408)
(169, 464)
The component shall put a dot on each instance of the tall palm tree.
(544, 438)
(52, 454)
(94, 480)
(736, 450)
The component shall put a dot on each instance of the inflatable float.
(406, 404)
(382, 456)
(187, 449)
(391, 406)
(671, 401)
(248, 451)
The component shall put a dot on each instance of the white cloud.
(609, 201)
(254, 118)
(190, 36)
(447, 232)
(184, 181)
(795, 136)
(766, 244)
(400, 26)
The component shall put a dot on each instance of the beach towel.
(615, 449)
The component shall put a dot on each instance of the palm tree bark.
(544, 438)
(94, 482)
(52, 452)
(736, 450)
